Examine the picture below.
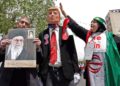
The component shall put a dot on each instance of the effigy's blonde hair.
(54, 8)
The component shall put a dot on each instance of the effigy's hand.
(62, 11)
(76, 78)
(37, 42)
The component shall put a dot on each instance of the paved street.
(82, 82)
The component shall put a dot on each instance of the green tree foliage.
(36, 10)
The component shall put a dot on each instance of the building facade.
(113, 21)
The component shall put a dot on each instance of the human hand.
(76, 78)
(5, 42)
(62, 11)
(37, 42)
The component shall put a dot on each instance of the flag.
(104, 68)
(112, 63)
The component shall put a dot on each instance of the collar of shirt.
(52, 25)
(56, 30)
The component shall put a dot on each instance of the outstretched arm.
(63, 12)
(3, 44)
(80, 31)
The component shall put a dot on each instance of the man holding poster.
(18, 76)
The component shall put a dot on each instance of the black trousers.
(57, 77)
(19, 78)
(25, 77)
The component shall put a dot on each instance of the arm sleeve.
(2, 55)
(39, 52)
(80, 31)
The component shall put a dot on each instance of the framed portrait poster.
(21, 52)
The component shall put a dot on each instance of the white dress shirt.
(58, 62)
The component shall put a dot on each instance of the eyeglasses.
(22, 22)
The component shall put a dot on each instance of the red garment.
(88, 35)
(53, 48)
(64, 33)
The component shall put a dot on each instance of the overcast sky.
(84, 10)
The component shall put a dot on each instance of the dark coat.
(80, 31)
(68, 55)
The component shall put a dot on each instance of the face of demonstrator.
(94, 26)
(23, 23)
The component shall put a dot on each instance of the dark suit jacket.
(68, 55)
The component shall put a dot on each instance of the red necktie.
(53, 48)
